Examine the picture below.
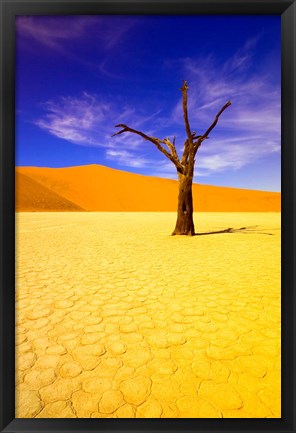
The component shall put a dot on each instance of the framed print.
(147, 216)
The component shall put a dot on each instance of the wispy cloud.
(128, 158)
(89, 120)
(247, 131)
(232, 154)
(62, 33)
(152, 166)
(253, 121)
(241, 61)
(53, 31)
(76, 119)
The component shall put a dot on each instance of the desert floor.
(116, 318)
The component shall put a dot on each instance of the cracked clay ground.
(116, 318)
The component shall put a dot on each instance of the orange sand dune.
(99, 188)
(32, 196)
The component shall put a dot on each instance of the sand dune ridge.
(100, 188)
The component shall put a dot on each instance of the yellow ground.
(116, 318)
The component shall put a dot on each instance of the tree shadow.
(243, 230)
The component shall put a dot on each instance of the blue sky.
(79, 76)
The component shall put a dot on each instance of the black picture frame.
(8, 10)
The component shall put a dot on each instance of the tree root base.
(183, 234)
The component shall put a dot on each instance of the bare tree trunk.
(184, 166)
(184, 224)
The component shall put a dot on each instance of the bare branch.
(171, 146)
(157, 142)
(154, 140)
(185, 111)
(205, 135)
(201, 138)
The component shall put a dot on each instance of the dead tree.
(184, 166)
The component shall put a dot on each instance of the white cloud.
(62, 33)
(78, 120)
(253, 121)
(247, 131)
(232, 154)
(54, 31)
(89, 120)
(127, 159)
